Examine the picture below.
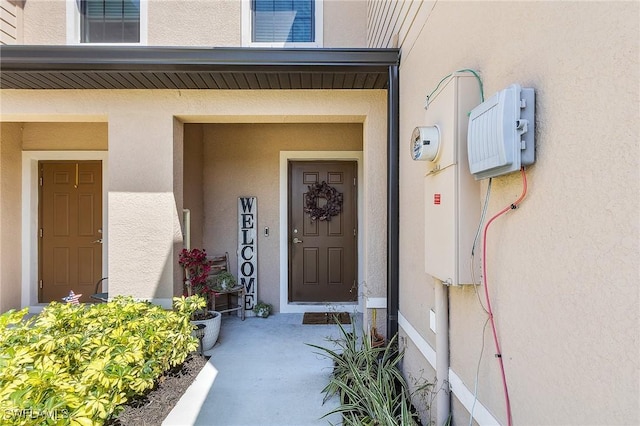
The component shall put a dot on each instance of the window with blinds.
(110, 21)
(283, 21)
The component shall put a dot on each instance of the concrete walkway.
(262, 373)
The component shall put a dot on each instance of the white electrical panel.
(501, 133)
(452, 195)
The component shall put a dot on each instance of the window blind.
(110, 21)
(290, 21)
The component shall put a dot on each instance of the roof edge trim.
(140, 58)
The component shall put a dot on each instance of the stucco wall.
(244, 160)
(194, 23)
(10, 215)
(563, 267)
(178, 197)
(45, 22)
(65, 136)
(193, 180)
(345, 23)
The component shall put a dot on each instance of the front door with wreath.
(322, 231)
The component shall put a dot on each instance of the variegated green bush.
(76, 364)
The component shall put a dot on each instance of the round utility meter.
(425, 143)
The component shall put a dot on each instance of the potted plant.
(212, 321)
(262, 309)
(196, 305)
(197, 268)
(225, 280)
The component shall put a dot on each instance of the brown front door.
(322, 253)
(70, 248)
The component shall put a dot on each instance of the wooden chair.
(219, 263)
(224, 303)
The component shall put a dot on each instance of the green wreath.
(329, 193)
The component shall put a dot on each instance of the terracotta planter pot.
(211, 331)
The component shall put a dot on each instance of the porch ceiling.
(142, 67)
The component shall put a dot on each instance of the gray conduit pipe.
(443, 401)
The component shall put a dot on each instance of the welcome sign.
(248, 249)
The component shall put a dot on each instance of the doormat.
(326, 318)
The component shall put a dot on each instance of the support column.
(142, 212)
(374, 278)
(10, 216)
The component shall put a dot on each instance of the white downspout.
(443, 401)
(186, 225)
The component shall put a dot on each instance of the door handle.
(296, 240)
(97, 241)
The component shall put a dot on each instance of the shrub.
(76, 364)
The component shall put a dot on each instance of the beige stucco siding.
(45, 22)
(193, 188)
(10, 215)
(65, 136)
(562, 268)
(243, 160)
(344, 23)
(194, 23)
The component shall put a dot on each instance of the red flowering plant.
(196, 269)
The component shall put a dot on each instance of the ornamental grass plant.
(371, 388)
(77, 364)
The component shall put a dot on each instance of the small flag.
(72, 298)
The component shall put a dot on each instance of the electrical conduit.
(496, 341)
(443, 401)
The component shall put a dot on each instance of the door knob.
(296, 240)
(97, 241)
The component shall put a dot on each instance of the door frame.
(285, 157)
(30, 209)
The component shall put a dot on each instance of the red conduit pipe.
(486, 291)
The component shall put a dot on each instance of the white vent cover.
(501, 133)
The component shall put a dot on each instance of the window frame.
(247, 29)
(74, 17)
